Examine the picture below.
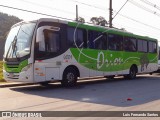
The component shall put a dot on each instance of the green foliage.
(1, 71)
(99, 21)
(6, 21)
(81, 19)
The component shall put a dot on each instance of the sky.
(142, 20)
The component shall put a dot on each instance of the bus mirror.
(40, 39)
(39, 36)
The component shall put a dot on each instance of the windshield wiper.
(14, 47)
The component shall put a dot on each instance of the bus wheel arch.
(132, 71)
(70, 75)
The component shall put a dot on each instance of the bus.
(49, 49)
(158, 60)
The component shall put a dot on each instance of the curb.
(14, 84)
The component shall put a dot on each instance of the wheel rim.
(70, 77)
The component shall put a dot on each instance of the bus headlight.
(26, 68)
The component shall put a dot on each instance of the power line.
(39, 13)
(151, 4)
(37, 4)
(72, 19)
(34, 12)
(120, 9)
(144, 8)
(139, 22)
(143, 31)
(89, 5)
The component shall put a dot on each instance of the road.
(141, 94)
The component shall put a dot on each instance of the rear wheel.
(110, 77)
(69, 77)
(132, 72)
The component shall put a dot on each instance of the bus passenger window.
(152, 47)
(115, 42)
(97, 40)
(76, 38)
(101, 43)
(142, 46)
(79, 39)
(130, 44)
(52, 41)
(92, 38)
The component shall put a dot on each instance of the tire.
(132, 73)
(46, 83)
(110, 77)
(69, 77)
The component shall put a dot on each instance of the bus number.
(67, 57)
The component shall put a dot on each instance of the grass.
(1, 72)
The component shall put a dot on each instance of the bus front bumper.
(17, 77)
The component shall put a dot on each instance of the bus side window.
(97, 40)
(76, 38)
(129, 44)
(142, 45)
(91, 39)
(101, 42)
(152, 47)
(52, 41)
(115, 42)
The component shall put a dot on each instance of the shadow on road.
(117, 92)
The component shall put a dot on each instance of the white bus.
(50, 49)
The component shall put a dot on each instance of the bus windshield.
(18, 42)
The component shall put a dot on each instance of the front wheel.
(132, 72)
(69, 77)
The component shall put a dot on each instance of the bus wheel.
(46, 83)
(132, 72)
(110, 77)
(69, 77)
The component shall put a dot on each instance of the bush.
(1, 71)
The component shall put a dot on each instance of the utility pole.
(110, 14)
(76, 12)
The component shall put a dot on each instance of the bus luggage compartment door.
(52, 74)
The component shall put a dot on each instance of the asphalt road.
(141, 94)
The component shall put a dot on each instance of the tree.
(94, 20)
(6, 21)
(81, 19)
(99, 21)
